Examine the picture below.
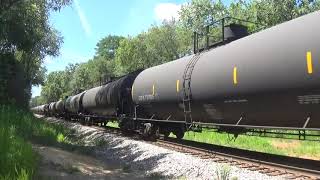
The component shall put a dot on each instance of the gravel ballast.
(154, 161)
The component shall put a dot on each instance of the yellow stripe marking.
(132, 91)
(235, 80)
(178, 83)
(153, 90)
(309, 62)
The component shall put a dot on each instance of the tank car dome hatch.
(229, 29)
(235, 31)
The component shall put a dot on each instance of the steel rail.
(297, 167)
(289, 165)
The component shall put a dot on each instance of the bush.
(17, 129)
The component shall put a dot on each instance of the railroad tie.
(206, 156)
(261, 169)
(222, 160)
(247, 166)
(274, 173)
(299, 177)
(267, 170)
(235, 163)
(293, 177)
(255, 168)
(280, 173)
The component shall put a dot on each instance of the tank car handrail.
(157, 120)
(220, 23)
(230, 17)
(258, 127)
(232, 125)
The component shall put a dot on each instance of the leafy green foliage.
(196, 14)
(131, 55)
(26, 36)
(107, 47)
(36, 101)
(55, 86)
(17, 127)
(116, 55)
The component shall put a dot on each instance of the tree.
(158, 45)
(54, 87)
(58, 84)
(107, 47)
(272, 12)
(100, 70)
(198, 13)
(161, 43)
(25, 33)
(81, 78)
(131, 55)
(37, 101)
(116, 55)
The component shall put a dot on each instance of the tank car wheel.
(89, 121)
(146, 129)
(155, 133)
(166, 134)
(82, 120)
(179, 133)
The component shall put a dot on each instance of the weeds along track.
(270, 164)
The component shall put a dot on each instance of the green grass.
(223, 172)
(17, 129)
(290, 147)
(281, 146)
(113, 124)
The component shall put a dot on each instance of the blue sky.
(85, 22)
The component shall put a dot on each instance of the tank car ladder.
(187, 95)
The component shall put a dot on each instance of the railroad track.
(269, 164)
(272, 165)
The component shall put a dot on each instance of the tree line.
(26, 37)
(117, 55)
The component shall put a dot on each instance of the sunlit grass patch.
(17, 129)
(281, 146)
(296, 148)
(113, 124)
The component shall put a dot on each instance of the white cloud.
(167, 11)
(84, 23)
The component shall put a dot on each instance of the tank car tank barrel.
(269, 78)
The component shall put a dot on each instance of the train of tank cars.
(266, 80)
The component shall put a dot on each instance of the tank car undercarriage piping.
(235, 129)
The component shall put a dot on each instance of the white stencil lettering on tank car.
(148, 97)
(212, 111)
(309, 99)
(236, 101)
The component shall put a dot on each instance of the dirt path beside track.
(56, 163)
